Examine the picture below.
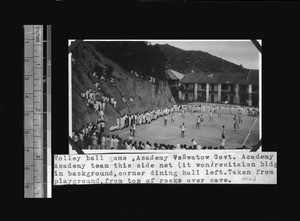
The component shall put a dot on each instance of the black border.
(275, 23)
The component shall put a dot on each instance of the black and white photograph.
(163, 95)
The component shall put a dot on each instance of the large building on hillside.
(235, 88)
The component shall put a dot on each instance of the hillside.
(140, 56)
(186, 61)
(86, 62)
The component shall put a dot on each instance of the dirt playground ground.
(208, 135)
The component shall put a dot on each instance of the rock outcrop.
(86, 61)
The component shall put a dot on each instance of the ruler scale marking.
(37, 146)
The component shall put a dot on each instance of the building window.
(190, 87)
(224, 87)
(203, 86)
(243, 88)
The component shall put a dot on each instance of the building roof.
(174, 75)
(243, 78)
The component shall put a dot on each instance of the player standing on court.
(201, 120)
(240, 117)
(223, 130)
(210, 116)
(172, 117)
(198, 122)
(182, 113)
(182, 127)
(133, 129)
(235, 124)
(219, 112)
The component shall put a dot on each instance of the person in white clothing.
(210, 116)
(219, 112)
(103, 142)
(127, 146)
(122, 123)
(101, 113)
(195, 145)
(194, 142)
(147, 146)
(223, 142)
(118, 122)
(112, 128)
(172, 118)
(201, 120)
(144, 118)
(129, 120)
(112, 141)
(198, 147)
(182, 113)
(116, 143)
(133, 129)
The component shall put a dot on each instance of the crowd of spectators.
(128, 144)
(94, 101)
(89, 136)
(219, 109)
(127, 120)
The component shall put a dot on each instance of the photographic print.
(163, 95)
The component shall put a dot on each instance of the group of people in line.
(127, 120)
(218, 109)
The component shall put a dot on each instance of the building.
(174, 77)
(235, 88)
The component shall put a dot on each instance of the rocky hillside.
(187, 61)
(86, 61)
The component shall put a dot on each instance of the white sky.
(237, 51)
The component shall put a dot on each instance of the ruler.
(37, 111)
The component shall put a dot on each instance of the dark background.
(274, 23)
